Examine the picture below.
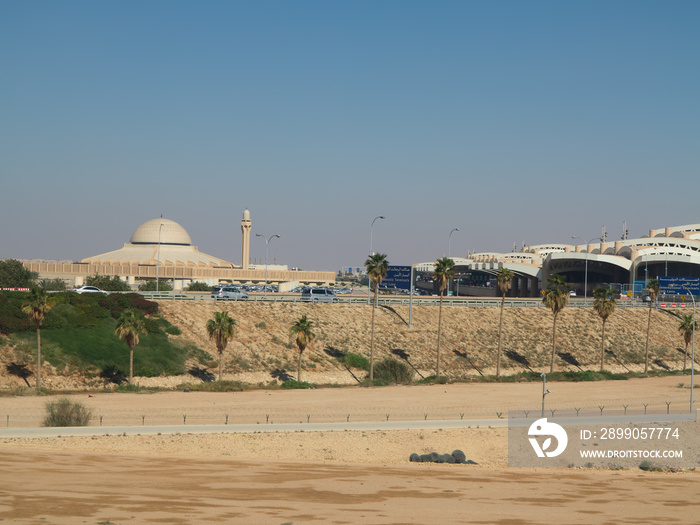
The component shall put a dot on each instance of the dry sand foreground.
(327, 477)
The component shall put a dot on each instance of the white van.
(318, 295)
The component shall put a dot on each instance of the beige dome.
(170, 233)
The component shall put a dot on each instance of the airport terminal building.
(627, 263)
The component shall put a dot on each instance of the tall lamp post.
(369, 285)
(692, 360)
(585, 276)
(267, 249)
(158, 261)
(449, 241)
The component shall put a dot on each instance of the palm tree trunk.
(131, 365)
(299, 368)
(371, 341)
(500, 337)
(221, 362)
(602, 348)
(685, 355)
(646, 352)
(554, 344)
(38, 358)
(437, 368)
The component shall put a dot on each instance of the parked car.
(572, 293)
(318, 295)
(88, 289)
(228, 293)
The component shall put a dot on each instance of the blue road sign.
(679, 285)
(397, 277)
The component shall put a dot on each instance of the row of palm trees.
(221, 327)
(377, 266)
(555, 297)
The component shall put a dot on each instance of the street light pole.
(369, 283)
(585, 275)
(449, 241)
(158, 260)
(692, 360)
(267, 249)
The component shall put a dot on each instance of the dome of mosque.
(169, 232)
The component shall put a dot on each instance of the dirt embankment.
(262, 343)
(469, 339)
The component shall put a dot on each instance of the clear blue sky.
(510, 120)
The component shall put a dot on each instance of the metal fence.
(397, 300)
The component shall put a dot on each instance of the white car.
(88, 289)
(229, 292)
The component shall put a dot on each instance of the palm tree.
(129, 325)
(304, 336)
(221, 329)
(376, 267)
(444, 269)
(504, 278)
(654, 289)
(36, 307)
(687, 329)
(604, 305)
(555, 298)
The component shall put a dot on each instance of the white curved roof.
(163, 231)
(174, 249)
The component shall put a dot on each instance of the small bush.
(356, 361)
(262, 325)
(293, 383)
(66, 413)
(198, 286)
(648, 466)
(393, 371)
(173, 330)
(127, 387)
(150, 286)
(214, 386)
(107, 283)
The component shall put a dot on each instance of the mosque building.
(162, 248)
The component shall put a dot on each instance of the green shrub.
(173, 330)
(356, 361)
(127, 387)
(198, 286)
(12, 319)
(107, 283)
(214, 386)
(393, 371)
(66, 413)
(150, 286)
(294, 384)
(648, 466)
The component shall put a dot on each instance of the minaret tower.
(245, 242)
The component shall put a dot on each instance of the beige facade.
(162, 248)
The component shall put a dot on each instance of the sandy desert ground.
(327, 477)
